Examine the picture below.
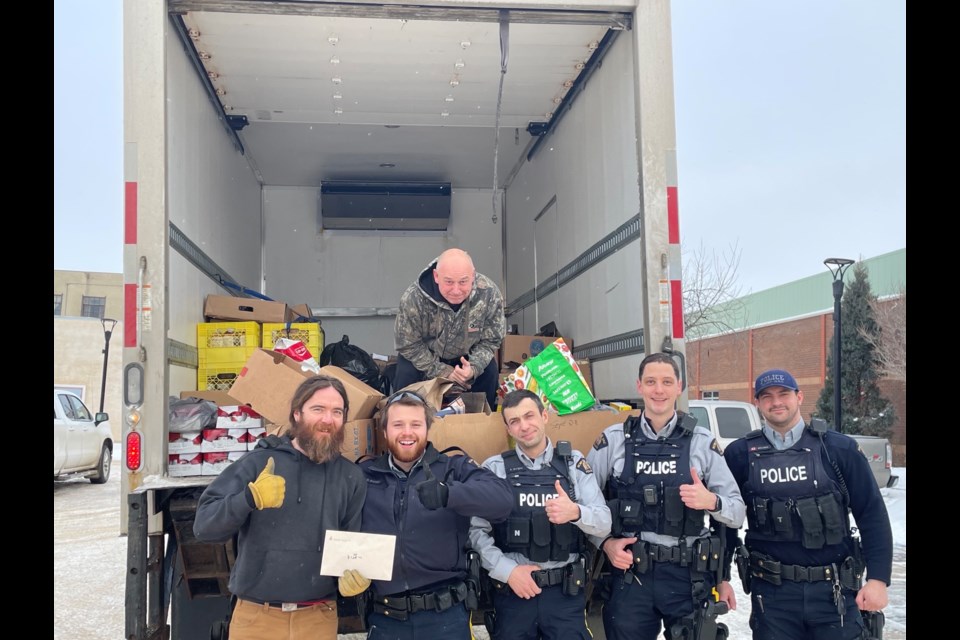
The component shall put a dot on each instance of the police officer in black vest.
(535, 558)
(663, 475)
(801, 566)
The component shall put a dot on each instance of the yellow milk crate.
(217, 378)
(309, 333)
(225, 335)
(224, 357)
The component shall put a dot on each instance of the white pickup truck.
(729, 420)
(82, 443)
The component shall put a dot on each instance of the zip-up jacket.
(431, 545)
(279, 550)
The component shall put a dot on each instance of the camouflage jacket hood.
(428, 330)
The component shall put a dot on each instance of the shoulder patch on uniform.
(715, 446)
(600, 442)
(584, 466)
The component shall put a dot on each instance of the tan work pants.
(252, 621)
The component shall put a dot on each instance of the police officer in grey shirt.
(662, 476)
(535, 558)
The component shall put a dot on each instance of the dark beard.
(318, 449)
(411, 457)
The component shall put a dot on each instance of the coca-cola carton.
(182, 465)
(224, 440)
(216, 461)
(184, 442)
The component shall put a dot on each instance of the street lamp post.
(108, 325)
(837, 267)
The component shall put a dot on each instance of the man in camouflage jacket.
(450, 324)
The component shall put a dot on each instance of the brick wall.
(730, 363)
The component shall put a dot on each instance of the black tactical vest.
(648, 487)
(527, 530)
(789, 495)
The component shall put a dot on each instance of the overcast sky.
(791, 132)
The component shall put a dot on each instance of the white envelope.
(369, 553)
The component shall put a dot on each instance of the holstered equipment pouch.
(564, 536)
(673, 508)
(809, 512)
(707, 552)
(872, 625)
(641, 557)
(518, 531)
(575, 577)
(742, 558)
(540, 534)
(782, 520)
(760, 509)
(832, 519)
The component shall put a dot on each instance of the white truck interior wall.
(213, 198)
(365, 269)
(589, 165)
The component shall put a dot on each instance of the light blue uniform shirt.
(594, 515)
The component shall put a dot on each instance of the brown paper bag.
(431, 390)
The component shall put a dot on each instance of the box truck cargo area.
(538, 136)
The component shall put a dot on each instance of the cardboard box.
(583, 428)
(224, 440)
(520, 348)
(587, 371)
(299, 313)
(237, 417)
(234, 308)
(216, 461)
(363, 397)
(184, 442)
(481, 435)
(181, 466)
(359, 439)
(269, 379)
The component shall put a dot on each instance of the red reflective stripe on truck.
(676, 309)
(130, 213)
(673, 216)
(129, 315)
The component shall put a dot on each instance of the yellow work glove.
(268, 489)
(353, 583)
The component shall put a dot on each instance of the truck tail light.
(134, 451)
(889, 462)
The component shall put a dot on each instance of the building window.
(57, 304)
(93, 306)
(709, 395)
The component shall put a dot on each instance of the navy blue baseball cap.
(774, 378)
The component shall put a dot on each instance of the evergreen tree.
(864, 410)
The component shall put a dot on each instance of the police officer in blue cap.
(800, 563)
(664, 475)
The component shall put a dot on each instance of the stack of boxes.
(208, 451)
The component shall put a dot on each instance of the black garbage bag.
(353, 360)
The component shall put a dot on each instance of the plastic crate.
(227, 335)
(217, 378)
(309, 333)
(224, 357)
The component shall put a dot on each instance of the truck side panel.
(590, 167)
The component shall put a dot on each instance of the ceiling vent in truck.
(408, 206)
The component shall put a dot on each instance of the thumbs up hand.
(268, 489)
(561, 509)
(696, 495)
